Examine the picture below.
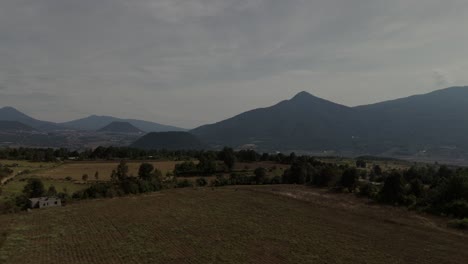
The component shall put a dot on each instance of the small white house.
(44, 202)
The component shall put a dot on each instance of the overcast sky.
(191, 62)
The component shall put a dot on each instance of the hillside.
(430, 125)
(120, 127)
(12, 114)
(438, 118)
(289, 124)
(95, 122)
(12, 126)
(169, 141)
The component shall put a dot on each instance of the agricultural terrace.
(252, 224)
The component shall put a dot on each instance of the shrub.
(459, 223)
(349, 179)
(201, 182)
(368, 190)
(393, 190)
(275, 180)
(260, 175)
(219, 181)
(184, 184)
(457, 208)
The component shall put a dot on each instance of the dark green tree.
(145, 171)
(361, 164)
(206, 165)
(260, 175)
(377, 170)
(121, 173)
(393, 190)
(34, 188)
(349, 179)
(228, 156)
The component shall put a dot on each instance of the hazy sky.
(190, 62)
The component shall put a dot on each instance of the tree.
(85, 177)
(201, 182)
(416, 188)
(145, 171)
(377, 170)
(206, 165)
(361, 164)
(325, 176)
(393, 189)
(349, 179)
(260, 175)
(228, 157)
(121, 173)
(34, 188)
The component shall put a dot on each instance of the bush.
(393, 190)
(184, 184)
(368, 190)
(349, 179)
(459, 223)
(219, 181)
(260, 175)
(275, 180)
(457, 208)
(201, 182)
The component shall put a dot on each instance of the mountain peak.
(303, 95)
(120, 127)
(10, 109)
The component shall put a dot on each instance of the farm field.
(16, 187)
(75, 170)
(22, 166)
(251, 224)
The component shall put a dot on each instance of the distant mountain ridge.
(14, 126)
(416, 125)
(95, 122)
(91, 123)
(120, 127)
(169, 141)
(422, 126)
(11, 114)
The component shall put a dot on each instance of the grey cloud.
(169, 56)
(440, 78)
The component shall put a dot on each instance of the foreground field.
(280, 224)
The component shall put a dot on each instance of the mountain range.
(91, 123)
(169, 140)
(95, 122)
(431, 124)
(428, 125)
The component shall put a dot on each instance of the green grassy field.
(16, 187)
(262, 224)
(23, 166)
